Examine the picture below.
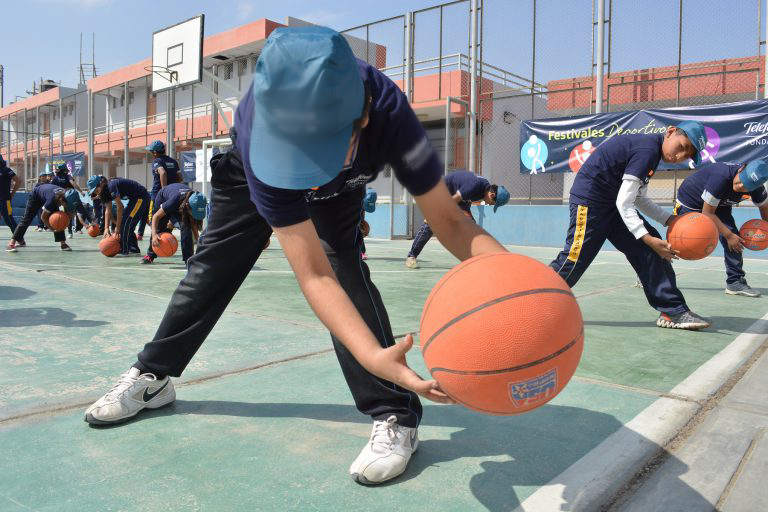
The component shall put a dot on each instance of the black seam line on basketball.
(491, 303)
(512, 369)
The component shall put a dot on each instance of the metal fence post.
(37, 140)
(90, 133)
(473, 5)
(679, 52)
(125, 129)
(765, 78)
(600, 56)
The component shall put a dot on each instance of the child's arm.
(735, 243)
(163, 176)
(119, 219)
(16, 181)
(457, 232)
(333, 307)
(159, 214)
(44, 216)
(626, 204)
(107, 205)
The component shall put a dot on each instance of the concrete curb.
(594, 480)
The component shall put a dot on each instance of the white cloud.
(325, 17)
(245, 10)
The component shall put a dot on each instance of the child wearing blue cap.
(315, 126)
(713, 190)
(46, 176)
(464, 187)
(605, 198)
(45, 199)
(127, 217)
(165, 170)
(9, 184)
(177, 204)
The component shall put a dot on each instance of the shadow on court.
(29, 317)
(526, 450)
(15, 293)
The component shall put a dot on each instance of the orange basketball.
(755, 234)
(93, 230)
(502, 333)
(365, 228)
(166, 246)
(58, 221)
(109, 246)
(694, 235)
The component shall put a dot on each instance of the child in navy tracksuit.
(127, 218)
(465, 187)
(605, 197)
(9, 183)
(314, 127)
(45, 199)
(714, 190)
(165, 170)
(177, 204)
(63, 178)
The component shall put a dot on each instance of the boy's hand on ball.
(661, 247)
(390, 364)
(735, 243)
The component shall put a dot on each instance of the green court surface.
(263, 419)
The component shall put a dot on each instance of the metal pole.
(600, 55)
(61, 125)
(171, 122)
(26, 165)
(125, 129)
(447, 134)
(474, 5)
(440, 59)
(2, 87)
(679, 52)
(765, 78)
(37, 138)
(214, 109)
(90, 133)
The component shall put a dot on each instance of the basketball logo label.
(537, 389)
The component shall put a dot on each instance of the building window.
(114, 102)
(122, 100)
(241, 67)
(130, 97)
(55, 114)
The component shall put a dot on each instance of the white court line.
(160, 267)
(594, 480)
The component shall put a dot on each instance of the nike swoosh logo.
(149, 396)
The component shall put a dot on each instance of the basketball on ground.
(755, 234)
(109, 246)
(166, 246)
(502, 333)
(58, 221)
(93, 230)
(693, 235)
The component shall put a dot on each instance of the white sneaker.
(133, 392)
(387, 453)
(411, 262)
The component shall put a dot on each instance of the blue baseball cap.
(754, 175)
(93, 182)
(72, 198)
(502, 197)
(62, 167)
(694, 130)
(307, 94)
(197, 204)
(157, 145)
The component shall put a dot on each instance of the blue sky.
(44, 39)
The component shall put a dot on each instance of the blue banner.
(188, 166)
(75, 163)
(736, 132)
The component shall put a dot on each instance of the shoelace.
(384, 433)
(124, 382)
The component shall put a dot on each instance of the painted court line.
(592, 481)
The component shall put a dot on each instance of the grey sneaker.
(741, 288)
(688, 320)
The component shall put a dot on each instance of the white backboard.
(180, 49)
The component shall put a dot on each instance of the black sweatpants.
(136, 209)
(34, 206)
(226, 252)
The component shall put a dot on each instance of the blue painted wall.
(534, 225)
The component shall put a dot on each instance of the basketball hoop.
(165, 73)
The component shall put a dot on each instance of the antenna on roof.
(87, 67)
